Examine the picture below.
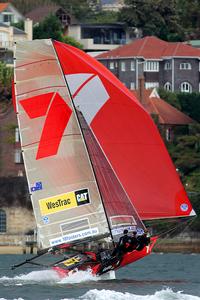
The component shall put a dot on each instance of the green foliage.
(169, 97)
(10, 129)
(154, 17)
(103, 17)
(6, 75)
(190, 104)
(71, 41)
(49, 28)
(187, 103)
(79, 8)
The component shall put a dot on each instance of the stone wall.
(16, 204)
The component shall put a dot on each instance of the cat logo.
(82, 197)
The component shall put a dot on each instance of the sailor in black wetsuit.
(133, 242)
(143, 240)
(123, 245)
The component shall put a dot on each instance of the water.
(156, 277)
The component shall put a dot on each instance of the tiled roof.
(3, 6)
(151, 47)
(167, 114)
(38, 14)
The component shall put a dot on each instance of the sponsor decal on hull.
(64, 201)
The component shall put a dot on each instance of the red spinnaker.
(130, 141)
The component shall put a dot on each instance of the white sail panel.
(64, 193)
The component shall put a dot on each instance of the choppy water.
(157, 277)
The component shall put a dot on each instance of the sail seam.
(35, 62)
(43, 88)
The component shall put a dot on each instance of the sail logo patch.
(57, 113)
(184, 207)
(36, 187)
(82, 197)
(64, 201)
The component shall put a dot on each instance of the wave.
(95, 294)
(164, 294)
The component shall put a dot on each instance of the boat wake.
(48, 277)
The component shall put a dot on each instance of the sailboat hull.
(81, 263)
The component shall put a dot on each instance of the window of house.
(168, 66)
(7, 18)
(2, 221)
(17, 138)
(168, 86)
(186, 87)
(112, 65)
(123, 66)
(132, 86)
(185, 66)
(150, 85)
(151, 66)
(168, 134)
(132, 65)
(18, 156)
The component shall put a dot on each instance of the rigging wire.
(164, 233)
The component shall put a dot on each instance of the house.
(10, 34)
(172, 66)
(166, 116)
(99, 37)
(41, 12)
(93, 37)
(9, 14)
(112, 5)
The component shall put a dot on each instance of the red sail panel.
(119, 208)
(127, 135)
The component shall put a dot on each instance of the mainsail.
(75, 192)
(64, 193)
(127, 136)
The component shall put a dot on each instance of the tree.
(79, 8)
(49, 28)
(71, 41)
(153, 17)
(6, 75)
(189, 13)
(190, 104)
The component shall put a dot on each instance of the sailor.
(123, 244)
(143, 240)
(133, 243)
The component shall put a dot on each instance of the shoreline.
(167, 246)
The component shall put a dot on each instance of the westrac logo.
(57, 113)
